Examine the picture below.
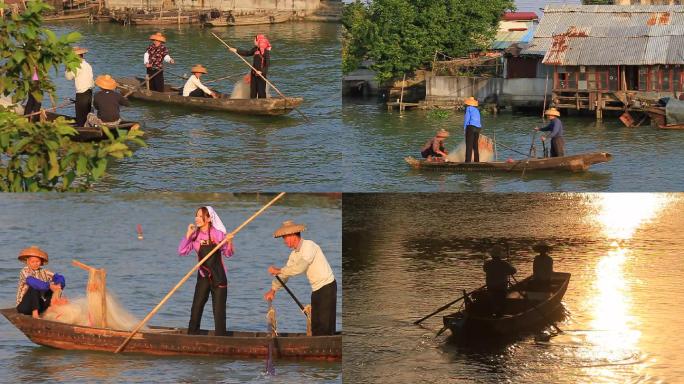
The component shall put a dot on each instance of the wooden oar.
(535, 307)
(187, 276)
(292, 295)
(440, 309)
(260, 74)
(64, 104)
(146, 81)
(222, 78)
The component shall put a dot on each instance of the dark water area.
(100, 230)
(645, 159)
(216, 151)
(406, 255)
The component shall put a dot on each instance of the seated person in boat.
(262, 60)
(497, 272)
(555, 129)
(434, 150)
(107, 102)
(38, 288)
(542, 267)
(194, 87)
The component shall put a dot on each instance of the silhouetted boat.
(573, 163)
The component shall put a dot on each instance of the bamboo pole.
(260, 75)
(187, 275)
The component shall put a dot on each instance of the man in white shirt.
(307, 257)
(194, 87)
(83, 80)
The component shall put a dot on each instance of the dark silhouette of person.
(497, 272)
(542, 267)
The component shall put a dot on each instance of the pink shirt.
(187, 245)
(35, 75)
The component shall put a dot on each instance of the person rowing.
(555, 129)
(262, 61)
(194, 87)
(83, 82)
(154, 58)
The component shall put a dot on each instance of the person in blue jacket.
(471, 128)
(38, 288)
(555, 129)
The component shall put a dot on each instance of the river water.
(644, 159)
(101, 231)
(406, 255)
(217, 151)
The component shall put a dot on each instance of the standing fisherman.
(262, 60)
(497, 272)
(202, 237)
(471, 128)
(83, 81)
(154, 59)
(307, 257)
(555, 129)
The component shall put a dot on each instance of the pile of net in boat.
(486, 149)
(92, 310)
(241, 89)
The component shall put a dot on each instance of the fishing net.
(486, 149)
(241, 89)
(92, 310)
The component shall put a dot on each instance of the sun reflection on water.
(614, 320)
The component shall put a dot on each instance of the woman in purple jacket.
(202, 237)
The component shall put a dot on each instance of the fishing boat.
(171, 95)
(155, 18)
(659, 119)
(574, 163)
(219, 19)
(94, 134)
(176, 341)
(528, 306)
(70, 14)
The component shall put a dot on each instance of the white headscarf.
(215, 220)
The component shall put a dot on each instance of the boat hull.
(574, 163)
(268, 106)
(94, 134)
(523, 314)
(175, 341)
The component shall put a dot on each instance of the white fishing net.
(486, 149)
(91, 310)
(241, 89)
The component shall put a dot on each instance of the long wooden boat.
(574, 163)
(154, 18)
(228, 19)
(268, 106)
(94, 134)
(176, 341)
(527, 307)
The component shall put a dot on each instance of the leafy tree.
(42, 156)
(399, 36)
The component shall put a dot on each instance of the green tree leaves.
(399, 36)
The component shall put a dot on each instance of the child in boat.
(38, 288)
(194, 87)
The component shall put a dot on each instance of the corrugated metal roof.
(610, 35)
(505, 37)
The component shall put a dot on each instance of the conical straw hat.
(33, 251)
(289, 227)
(106, 82)
(471, 101)
(198, 68)
(159, 37)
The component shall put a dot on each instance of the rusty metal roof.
(610, 35)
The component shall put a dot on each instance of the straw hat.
(497, 251)
(80, 50)
(198, 68)
(289, 227)
(33, 251)
(159, 37)
(552, 112)
(106, 82)
(443, 133)
(541, 247)
(471, 101)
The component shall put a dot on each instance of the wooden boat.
(658, 118)
(94, 133)
(154, 18)
(176, 341)
(229, 19)
(70, 14)
(574, 163)
(528, 306)
(171, 95)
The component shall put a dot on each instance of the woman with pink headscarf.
(262, 59)
(202, 237)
